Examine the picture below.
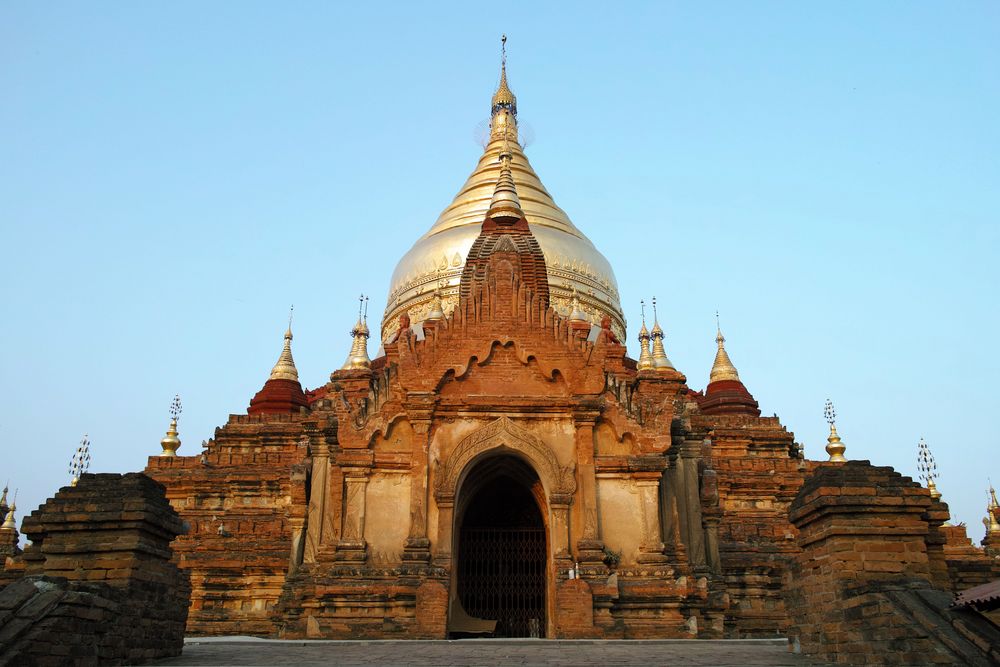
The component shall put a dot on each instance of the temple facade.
(501, 467)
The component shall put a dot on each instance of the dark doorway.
(502, 548)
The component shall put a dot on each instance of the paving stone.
(696, 653)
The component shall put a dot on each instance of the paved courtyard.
(715, 653)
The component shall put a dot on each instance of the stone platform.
(717, 653)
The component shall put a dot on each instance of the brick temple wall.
(862, 589)
(99, 584)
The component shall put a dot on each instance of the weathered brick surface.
(861, 591)
(100, 587)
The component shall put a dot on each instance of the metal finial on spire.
(80, 463)
(927, 467)
(170, 442)
(660, 359)
(834, 447)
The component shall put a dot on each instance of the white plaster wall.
(620, 516)
(387, 516)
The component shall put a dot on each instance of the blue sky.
(175, 175)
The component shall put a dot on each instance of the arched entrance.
(501, 546)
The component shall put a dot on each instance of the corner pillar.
(589, 547)
(317, 503)
(651, 547)
(352, 547)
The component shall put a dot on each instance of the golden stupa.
(433, 266)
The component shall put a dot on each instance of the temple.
(502, 467)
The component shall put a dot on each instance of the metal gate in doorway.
(501, 577)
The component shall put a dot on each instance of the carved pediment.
(499, 436)
(504, 373)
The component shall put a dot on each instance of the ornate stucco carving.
(503, 434)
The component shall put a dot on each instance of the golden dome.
(434, 263)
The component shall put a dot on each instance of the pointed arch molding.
(504, 435)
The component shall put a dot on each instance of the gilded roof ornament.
(171, 442)
(358, 357)
(927, 468)
(992, 520)
(722, 367)
(8, 522)
(285, 368)
(660, 360)
(3, 499)
(834, 447)
(645, 355)
(437, 308)
(577, 314)
(80, 463)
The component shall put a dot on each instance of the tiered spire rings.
(358, 357)
(834, 447)
(645, 355)
(505, 205)
(285, 368)
(660, 360)
(928, 468)
(170, 442)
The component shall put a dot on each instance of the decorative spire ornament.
(992, 520)
(660, 360)
(437, 308)
(722, 367)
(285, 368)
(358, 357)
(80, 463)
(170, 442)
(577, 314)
(505, 205)
(927, 468)
(3, 499)
(8, 521)
(834, 447)
(645, 355)
(503, 98)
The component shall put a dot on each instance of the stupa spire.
(8, 521)
(285, 368)
(171, 442)
(358, 357)
(834, 447)
(722, 367)
(660, 360)
(992, 520)
(645, 355)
